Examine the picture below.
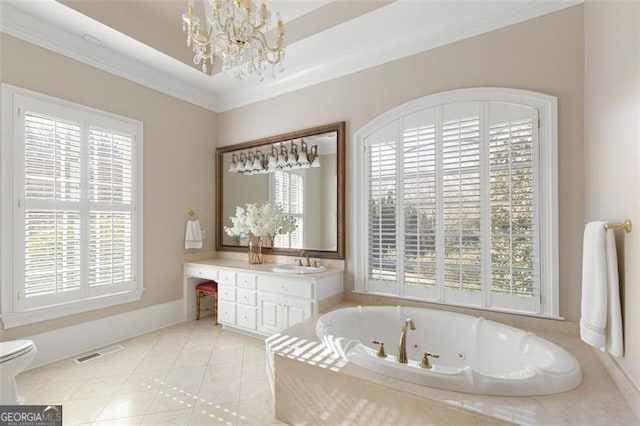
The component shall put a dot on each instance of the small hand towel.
(601, 322)
(193, 235)
(615, 343)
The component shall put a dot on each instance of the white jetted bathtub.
(475, 355)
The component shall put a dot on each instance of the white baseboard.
(76, 339)
(627, 387)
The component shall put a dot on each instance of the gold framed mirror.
(302, 172)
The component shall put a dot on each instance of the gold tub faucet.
(402, 348)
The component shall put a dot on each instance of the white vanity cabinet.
(247, 301)
(227, 311)
(258, 301)
(278, 312)
(284, 302)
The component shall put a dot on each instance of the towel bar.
(626, 226)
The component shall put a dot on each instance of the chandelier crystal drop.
(239, 34)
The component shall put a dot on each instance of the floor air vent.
(98, 353)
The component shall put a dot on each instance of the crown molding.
(409, 40)
(344, 49)
(17, 22)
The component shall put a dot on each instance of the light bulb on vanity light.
(303, 161)
(315, 162)
(233, 166)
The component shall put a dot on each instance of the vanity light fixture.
(280, 158)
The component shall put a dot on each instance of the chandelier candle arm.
(236, 33)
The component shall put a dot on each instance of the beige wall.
(179, 141)
(612, 141)
(544, 55)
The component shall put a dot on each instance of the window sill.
(17, 319)
(478, 308)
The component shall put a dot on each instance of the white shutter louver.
(52, 159)
(382, 209)
(513, 239)
(51, 209)
(52, 255)
(461, 203)
(110, 209)
(420, 204)
(110, 172)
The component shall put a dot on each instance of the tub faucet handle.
(425, 360)
(381, 353)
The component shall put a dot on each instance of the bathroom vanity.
(253, 299)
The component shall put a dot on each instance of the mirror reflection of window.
(287, 189)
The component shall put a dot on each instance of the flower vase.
(255, 250)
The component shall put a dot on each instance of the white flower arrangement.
(265, 220)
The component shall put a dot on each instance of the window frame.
(548, 306)
(12, 175)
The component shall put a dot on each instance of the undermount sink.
(297, 269)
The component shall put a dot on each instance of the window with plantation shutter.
(453, 202)
(72, 220)
(287, 190)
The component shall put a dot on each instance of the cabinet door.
(227, 293)
(270, 318)
(294, 311)
(246, 297)
(227, 278)
(246, 317)
(247, 281)
(226, 312)
(202, 272)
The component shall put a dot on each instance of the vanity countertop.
(596, 401)
(261, 268)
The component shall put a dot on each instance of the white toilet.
(15, 356)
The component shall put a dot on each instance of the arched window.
(458, 201)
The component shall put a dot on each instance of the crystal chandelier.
(239, 34)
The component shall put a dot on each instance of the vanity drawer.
(247, 297)
(202, 272)
(247, 281)
(227, 278)
(247, 317)
(226, 293)
(289, 287)
(226, 312)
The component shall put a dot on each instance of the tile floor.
(188, 374)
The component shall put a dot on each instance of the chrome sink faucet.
(402, 348)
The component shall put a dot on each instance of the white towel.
(601, 321)
(193, 235)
